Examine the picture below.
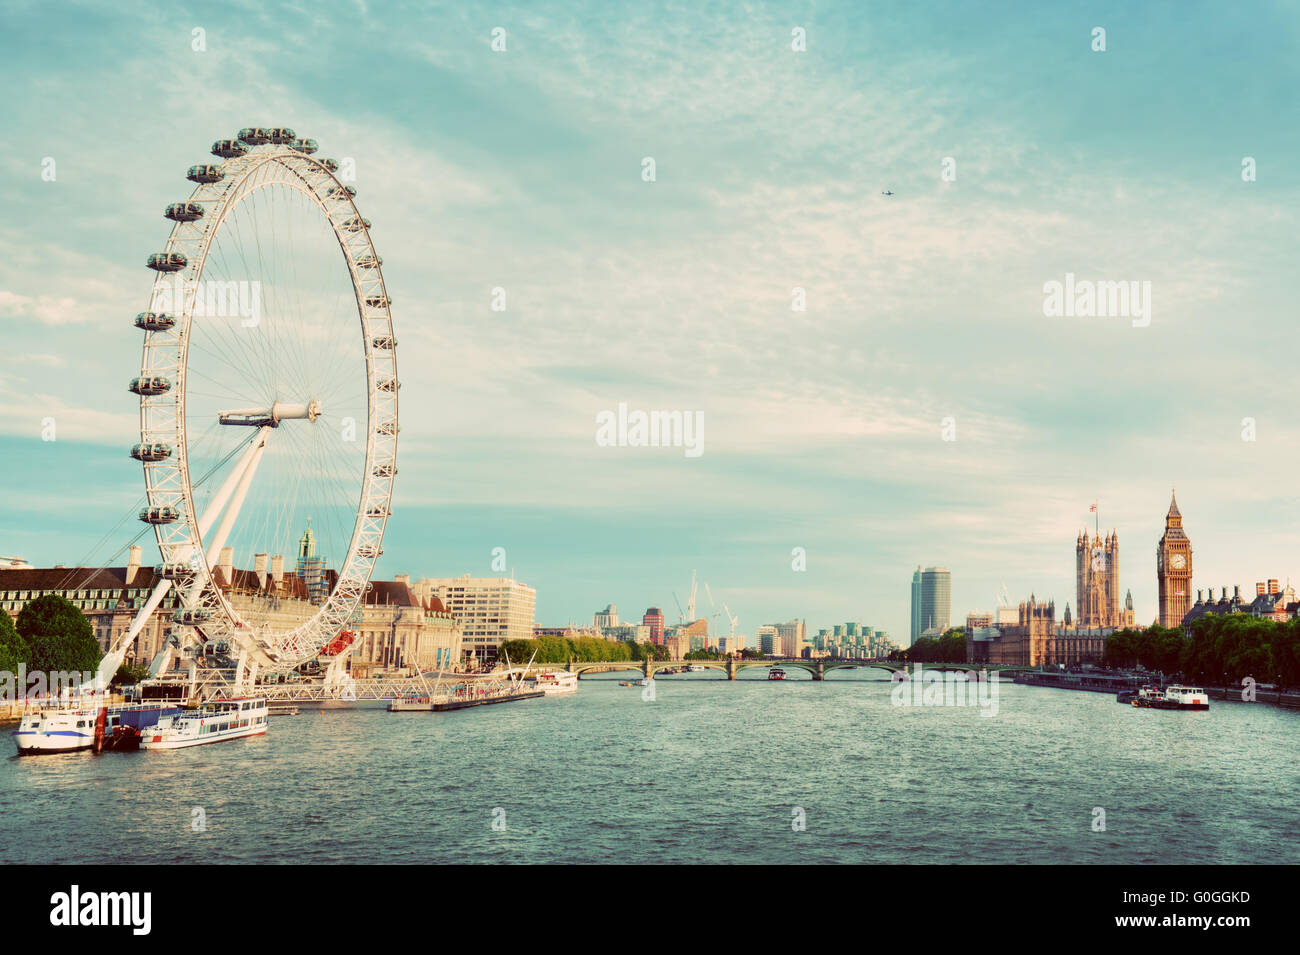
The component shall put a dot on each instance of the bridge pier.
(731, 668)
(821, 671)
(645, 667)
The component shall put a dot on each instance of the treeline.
(950, 648)
(50, 636)
(1233, 646)
(551, 649)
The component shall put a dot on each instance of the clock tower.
(1174, 569)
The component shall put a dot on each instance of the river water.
(708, 771)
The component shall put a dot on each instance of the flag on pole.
(1092, 507)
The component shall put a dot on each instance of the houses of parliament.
(1036, 639)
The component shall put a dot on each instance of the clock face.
(1178, 562)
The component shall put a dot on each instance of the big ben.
(1174, 569)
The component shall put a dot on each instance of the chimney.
(1272, 585)
(403, 579)
(227, 564)
(133, 564)
(259, 568)
(277, 570)
(1259, 588)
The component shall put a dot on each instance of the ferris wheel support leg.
(239, 672)
(161, 662)
(117, 651)
(334, 674)
(232, 512)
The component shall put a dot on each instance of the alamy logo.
(651, 429)
(212, 299)
(946, 688)
(102, 908)
(1088, 299)
(54, 683)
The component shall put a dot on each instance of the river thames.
(709, 771)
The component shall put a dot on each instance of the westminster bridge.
(818, 668)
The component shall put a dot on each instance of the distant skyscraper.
(931, 600)
(311, 568)
(916, 605)
(654, 619)
(607, 617)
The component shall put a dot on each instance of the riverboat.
(776, 673)
(554, 682)
(1173, 697)
(219, 721)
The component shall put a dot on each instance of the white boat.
(56, 731)
(221, 720)
(1178, 697)
(555, 682)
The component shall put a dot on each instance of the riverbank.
(1114, 683)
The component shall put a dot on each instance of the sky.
(824, 429)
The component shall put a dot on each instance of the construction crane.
(681, 614)
(690, 605)
(734, 621)
(713, 618)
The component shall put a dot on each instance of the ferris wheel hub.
(271, 417)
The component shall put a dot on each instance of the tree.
(58, 636)
(128, 674)
(13, 648)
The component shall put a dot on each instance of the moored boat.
(221, 720)
(1173, 697)
(1179, 697)
(554, 682)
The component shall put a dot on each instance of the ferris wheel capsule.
(304, 146)
(378, 301)
(355, 224)
(255, 135)
(282, 135)
(389, 384)
(167, 262)
(340, 192)
(156, 451)
(329, 164)
(386, 342)
(229, 148)
(204, 173)
(149, 386)
(369, 262)
(154, 321)
(191, 616)
(184, 211)
(160, 515)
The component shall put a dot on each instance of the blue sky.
(522, 170)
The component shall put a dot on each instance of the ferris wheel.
(268, 404)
